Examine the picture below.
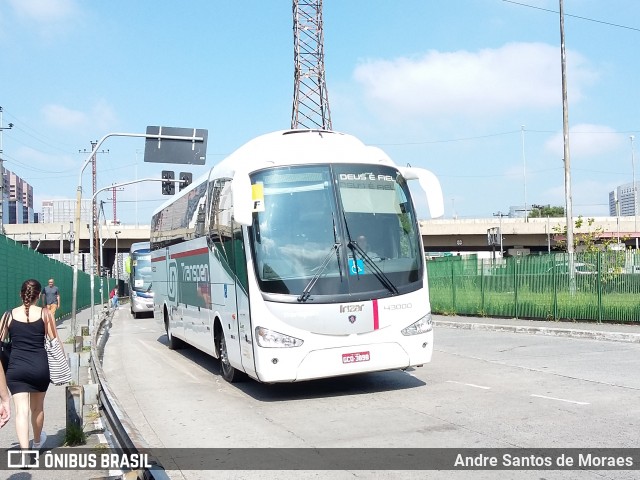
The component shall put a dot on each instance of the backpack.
(111, 293)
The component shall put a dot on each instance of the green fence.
(606, 287)
(19, 263)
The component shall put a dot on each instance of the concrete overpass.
(53, 238)
(440, 235)
(536, 234)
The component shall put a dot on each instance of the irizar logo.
(195, 273)
(351, 308)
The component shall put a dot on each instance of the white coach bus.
(297, 257)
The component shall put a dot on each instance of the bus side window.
(200, 220)
(219, 230)
(214, 193)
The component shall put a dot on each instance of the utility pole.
(114, 191)
(310, 97)
(567, 156)
(2, 173)
(94, 209)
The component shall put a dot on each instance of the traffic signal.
(186, 178)
(168, 187)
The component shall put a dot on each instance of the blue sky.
(442, 84)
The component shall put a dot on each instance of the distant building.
(27, 203)
(64, 210)
(622, 198)
(518, 211)
(17, 203)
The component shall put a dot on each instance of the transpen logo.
(195, 273)
(172, 285)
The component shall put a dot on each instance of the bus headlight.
(270, 339)
(423, 325)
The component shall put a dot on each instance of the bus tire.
(172, 342)
(229, 373)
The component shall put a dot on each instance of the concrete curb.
(561, 332)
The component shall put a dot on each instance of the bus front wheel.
(172, 342)
(229, 373)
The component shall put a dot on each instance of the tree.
(593, 242)
(538, 211)
(590, 241)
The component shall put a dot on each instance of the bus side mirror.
(431, 186)
(242, 203)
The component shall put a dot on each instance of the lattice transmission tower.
(310, 97)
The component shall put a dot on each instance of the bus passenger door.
(245, 331)
(223, 284)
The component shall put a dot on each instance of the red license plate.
(355, 357)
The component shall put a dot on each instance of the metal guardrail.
(123, 431)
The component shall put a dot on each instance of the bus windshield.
(342, 230)
(141, 271)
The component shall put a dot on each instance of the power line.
(462, 139)
(574, 16)
(34, 135)
(35, 169)
(489, 135)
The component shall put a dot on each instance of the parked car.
(581, 268)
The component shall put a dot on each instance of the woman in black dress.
(28, 370)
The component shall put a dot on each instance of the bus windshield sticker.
(257, 197)
(356, 267)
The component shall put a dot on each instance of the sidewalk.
(54, 422)
(598, 331)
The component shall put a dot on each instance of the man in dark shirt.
(51, 296)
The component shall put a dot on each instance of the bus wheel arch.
(228, 372)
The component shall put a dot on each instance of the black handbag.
(5, 340)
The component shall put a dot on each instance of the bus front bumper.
(285, 364)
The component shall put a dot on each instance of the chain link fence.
(19, 263)
(604, 287)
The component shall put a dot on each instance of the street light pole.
(76, 254)
(117, 273)
(635, 195)
(92, 227)
(100, 269)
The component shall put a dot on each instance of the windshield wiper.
(335, 240)
(379, 274)
(306, 293)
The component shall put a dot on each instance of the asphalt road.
(483, 389)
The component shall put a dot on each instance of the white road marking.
(469, 385)
(185, 368)
(560, 399)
